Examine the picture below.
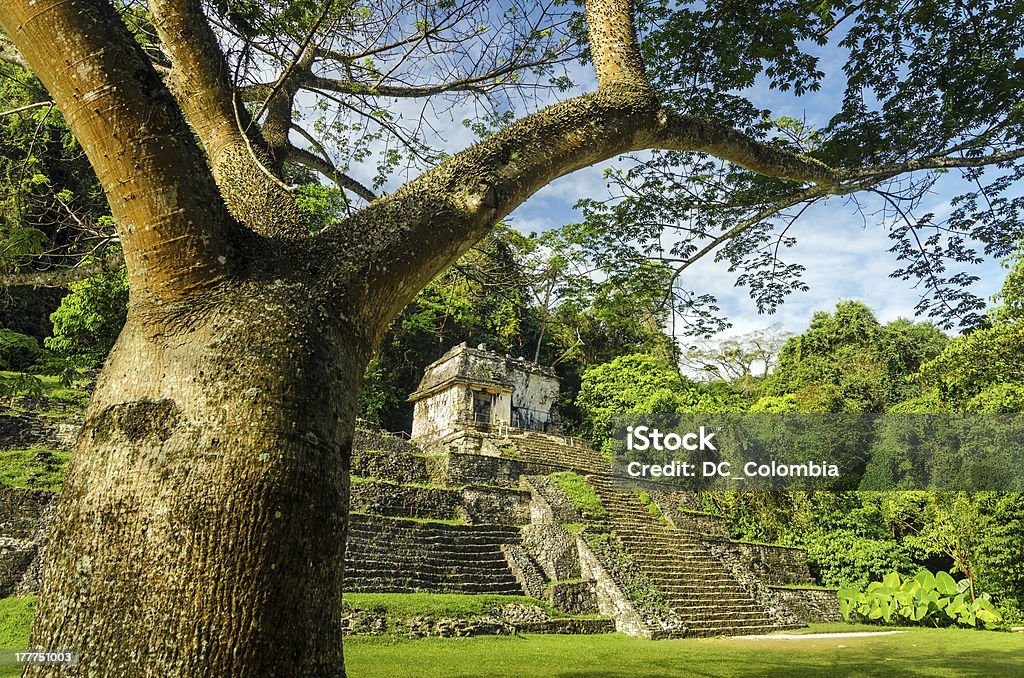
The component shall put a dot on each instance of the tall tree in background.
(201, 528)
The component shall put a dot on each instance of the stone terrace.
(403, 556)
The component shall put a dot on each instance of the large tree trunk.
(201, 528)
(202, 525)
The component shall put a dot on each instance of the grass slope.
(35, 468)
(580, 493)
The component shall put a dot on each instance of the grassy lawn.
(928, 653)
(15, 620)
(918, 652)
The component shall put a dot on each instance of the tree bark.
(201, 527)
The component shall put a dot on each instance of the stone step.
(390, 587)
(712, 610)
(413, 560)
(681, 572)
(689, 586)
(724, 592)
(368, 522)
(693, 606)
(490, 550)
(715, 631)
(688, 560)
(719, 588)
(425, 564)
(742, 626)
(459, 578)
(427, 535)
(452, 579)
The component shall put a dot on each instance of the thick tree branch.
(614, 50)
(176, 234)
(200, 82)
(9, 54)
(321, 165)
(434, 219)
(64, 276)
(438, 215)
(687, 133)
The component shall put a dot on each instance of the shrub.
(17, 351)
(90, 318)
(927, 598)
(842, 557)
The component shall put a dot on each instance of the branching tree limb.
(175, 241)
(242, 164)
(439, 215)
(65, 276)
(323, 166)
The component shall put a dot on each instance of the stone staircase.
(554, 450)
(696, 585)
(388, 555)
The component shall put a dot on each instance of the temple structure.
(476, 386)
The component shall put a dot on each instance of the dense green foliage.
(983, 371)
(90, 318)
(50, 199)
(17, 351)
(847, 361)
(644, 384)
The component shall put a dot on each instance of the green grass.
(15, 619)
(919, 652)
(651, 507)
(580, 493)
(441, 521)
(23, 468)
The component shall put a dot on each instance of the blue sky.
(845, 257)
